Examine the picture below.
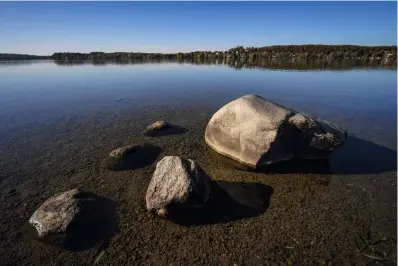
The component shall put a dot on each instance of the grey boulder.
(177, 184)
(73, 219)
(255, 131)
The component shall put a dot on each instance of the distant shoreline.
(4, 57)
(328, 52)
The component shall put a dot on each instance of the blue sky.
(48, 27)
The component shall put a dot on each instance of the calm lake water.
(59, 121)
(362, 100)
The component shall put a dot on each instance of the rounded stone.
(158, 125)
(73, 219)
(120, 158)
(177, 184)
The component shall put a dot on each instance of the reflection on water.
(109, 62)
(292, 64)
(363, 101)
(6, 63)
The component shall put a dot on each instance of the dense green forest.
(252, 53)
(22, 57)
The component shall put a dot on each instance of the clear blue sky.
(48, 27)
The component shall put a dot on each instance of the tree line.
(242, 53)
(4, 56)
(252, 53)
(111, 56)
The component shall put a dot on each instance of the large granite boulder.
(255, 131)
(74, 219)
(177, 184)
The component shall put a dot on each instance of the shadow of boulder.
(95, 224)
(170, 130)
(229, 201)
(141, 157)
(292, 166)
(355, 156)
(300, 166)
(359, 156)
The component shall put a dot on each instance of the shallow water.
(58, 122)
(361, 100)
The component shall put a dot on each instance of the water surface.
(362, 100)
(58, 121)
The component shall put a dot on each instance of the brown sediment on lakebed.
(312, 217)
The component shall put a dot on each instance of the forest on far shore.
(252, 53)
(247, 53)
(5, 56)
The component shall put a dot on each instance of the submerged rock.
(161, 128)
(255, 131)
(119, 158)
(72, 219)
(158, 125)
(132, 157)
(177, 184)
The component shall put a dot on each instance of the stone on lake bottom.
(158, 125)
(73, 219)
(177, 184)
(118, 158)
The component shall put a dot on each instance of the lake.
(58, 121)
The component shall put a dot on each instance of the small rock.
(119, 152)
(158, 125)
(177, 184)
(119, 158)
(71, 218)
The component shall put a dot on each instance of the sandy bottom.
(343, 213)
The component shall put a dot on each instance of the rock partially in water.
(158, 125)
(177, 185)
(74, 219)
(255, 132)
